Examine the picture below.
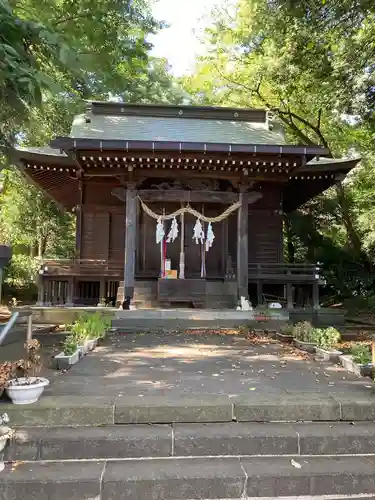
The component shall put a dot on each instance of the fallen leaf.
(295, 464)
(252, 389)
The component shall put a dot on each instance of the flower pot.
(5, 434)
(305, 346)
(91, 344)
(328, 355)
(63, 361)
(361, 370)
(24, 391)
(286, 339)
(83, 349)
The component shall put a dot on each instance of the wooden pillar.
(130, 240)
(70, 292)
(79, 219)
(242, 247)
(102, 295)
(315, 295)
(40, 290)
(289, 296)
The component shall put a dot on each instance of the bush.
(303, 331)
(361, 354)
(326, 338)
(287, 329)
(70, 345)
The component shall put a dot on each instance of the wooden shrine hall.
(177, 205)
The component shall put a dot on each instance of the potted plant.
(304, 336)
(286, 333)
(326, 339)
(26, 387)
(358, 361)
(6, 370)
(6, 432)
(69, 355)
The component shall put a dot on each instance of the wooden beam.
(178, 195)
(242, 247)
(185, 173)
(130, 240)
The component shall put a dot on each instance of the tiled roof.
(174, 129)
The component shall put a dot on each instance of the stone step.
(74, 410)
(192, 479)
(181, 440)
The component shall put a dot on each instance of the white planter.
(305, 346)
(27, 393)
(360, 370)
(83, 350)
(63, 361)
(6, 433)
(91, 344)
(331, 355)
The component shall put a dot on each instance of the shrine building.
(178, 205)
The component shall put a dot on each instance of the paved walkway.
(187, 364)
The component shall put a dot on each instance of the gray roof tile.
(146, 128)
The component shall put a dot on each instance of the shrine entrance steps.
(181, 319)
(193, 417)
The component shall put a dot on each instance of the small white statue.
(245, 305)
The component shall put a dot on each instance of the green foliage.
(287, 329)
(90, 326)
(325, 338)
(361, 354)
(304, 332)
(31, 220)
(312, 65)
(53, 55)
(70, 345)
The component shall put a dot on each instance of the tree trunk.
(289, 240)
(353, 237)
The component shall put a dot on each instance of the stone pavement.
(184, 364)
(180, 377)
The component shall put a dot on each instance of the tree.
(305, 62)
(30, 221)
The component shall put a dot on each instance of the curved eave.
(54, 174)
(71, 144)
(314, 178)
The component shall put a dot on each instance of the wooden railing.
(83, 267)
(284, 273)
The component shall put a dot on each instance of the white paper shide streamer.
(210, 237)
(160, 233)
(198, 233)
(173, 232)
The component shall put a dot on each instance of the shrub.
(287, 329)
(70, 345)
(303, 331)
(326, 338)
(361, 354)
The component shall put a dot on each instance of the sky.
(179, 43)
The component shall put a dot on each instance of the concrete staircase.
(174, 319)
(196, 448)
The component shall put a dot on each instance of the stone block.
(285, 408)
(173, 479)
(55, 481)
(277, 477)
(106, 442)
(336, 439)
(62, 410)
(234, 439)
(160, 409)
(25, 445)
(356, 409)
